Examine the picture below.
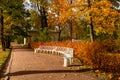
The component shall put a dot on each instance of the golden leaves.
(67, 9)
(103, 16)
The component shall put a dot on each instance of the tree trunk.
(43, 15)
(71, 30)
(7, 40)
(44, 18)
(59, 34)
(71, 24)
(2, 30)
(91, 30)
(91, 23)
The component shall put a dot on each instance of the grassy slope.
(3, 57)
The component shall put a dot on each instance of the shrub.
(95, 54)
(36, 44)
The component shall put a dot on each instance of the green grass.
(3, 56)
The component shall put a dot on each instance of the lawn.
(3, 57)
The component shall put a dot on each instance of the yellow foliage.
(103, 17)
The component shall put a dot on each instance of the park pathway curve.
(26, 65)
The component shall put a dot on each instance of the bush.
(95, 54)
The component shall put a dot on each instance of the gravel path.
(27, 65)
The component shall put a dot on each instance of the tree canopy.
(72, 19)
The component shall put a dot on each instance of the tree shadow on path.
(47, 71)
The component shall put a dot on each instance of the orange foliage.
(94, 54)
(104, 18)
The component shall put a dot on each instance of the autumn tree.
(104, 17)
(98, 15)
(61, 12)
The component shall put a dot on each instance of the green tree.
(14, 17)
(40, 6)
(2, 29)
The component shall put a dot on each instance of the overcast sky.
(27, 4)
(28, 1)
